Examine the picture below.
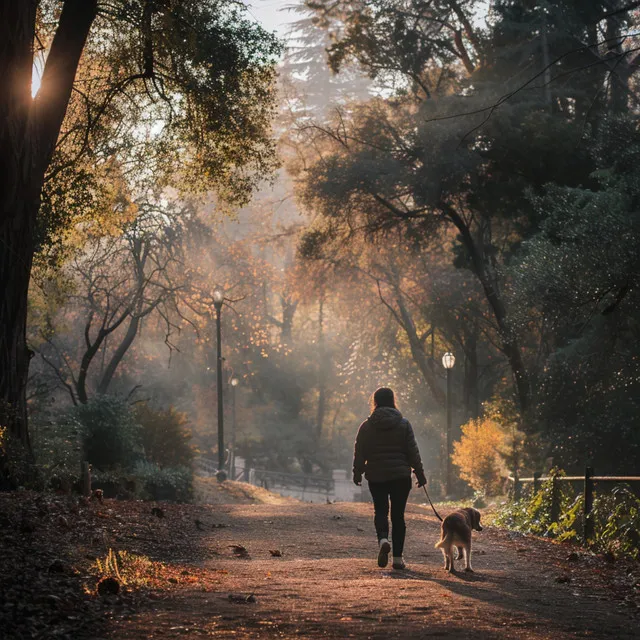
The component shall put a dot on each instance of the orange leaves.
(478, 454)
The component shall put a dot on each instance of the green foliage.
(575, 278)
(16, 465)
(110, 435)
(166, 438)
(57, 448)
(532, 514)
(170, 483)
(617, 522)
(616, 518)
(180, 92)
(146, 481)
(479, 500)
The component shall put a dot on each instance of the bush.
(116, 485)
(57, 449)
(532, 514)
(617, 522)
(477, 454)
(165, 436)
(110, 435)
(16, 466)
(174, 484)
(616, 518)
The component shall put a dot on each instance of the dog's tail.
(444, 542)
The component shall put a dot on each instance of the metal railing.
(272, 479)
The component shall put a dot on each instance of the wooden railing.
(589, 479)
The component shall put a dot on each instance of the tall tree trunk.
(19, 199)
(28, 133)
(471, 400)
(423, 362)
(509, 342)
(16, 254)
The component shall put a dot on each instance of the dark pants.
(397, 491)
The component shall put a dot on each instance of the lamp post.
(232, 461)
(448, 360)
(218, 299)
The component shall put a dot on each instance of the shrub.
(57, 449)
(115, 484)
(616, 518)
(165, 436)
(16, 465)
(478, 454)
(532, 514)
(617, 522)
(174, 484)
(111, 437)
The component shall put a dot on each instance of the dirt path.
(327, 584)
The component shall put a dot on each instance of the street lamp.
(448, 360)
(218, 299)
(232, 462)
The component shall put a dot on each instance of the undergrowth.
(615, 515)
(129, 569)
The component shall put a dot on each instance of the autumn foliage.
(478, 454)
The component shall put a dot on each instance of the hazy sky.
(272, 14)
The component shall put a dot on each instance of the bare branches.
(121, 281)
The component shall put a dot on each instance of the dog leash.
(424, 486)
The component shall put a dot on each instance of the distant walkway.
(327, 584)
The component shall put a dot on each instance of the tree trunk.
(28, 133)
(509, 342)
(288, 312)
(120, 352)
(471, 400)
(16, 255)
(423, 362)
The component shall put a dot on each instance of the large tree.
(195, 76)
(464, 137)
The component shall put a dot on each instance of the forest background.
(417, 177)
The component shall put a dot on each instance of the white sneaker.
(398, 563)
(383, 554)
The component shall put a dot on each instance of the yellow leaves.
(478, 454)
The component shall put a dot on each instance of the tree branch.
(50, 106)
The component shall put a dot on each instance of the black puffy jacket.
(386, 448)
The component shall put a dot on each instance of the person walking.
(385, 452)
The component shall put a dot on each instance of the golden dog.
(456, 532)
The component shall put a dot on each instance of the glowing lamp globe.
(448, 360)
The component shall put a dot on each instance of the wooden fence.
(589, 480)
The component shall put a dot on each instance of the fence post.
(517, 487)
(588, 505)
(536, 481)
(555, 499)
